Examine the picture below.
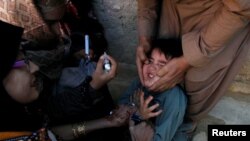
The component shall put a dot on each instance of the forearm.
(98, 124)
(90, 91)
(73, 131)
(145, 42)
(147, 16)
(73, 101)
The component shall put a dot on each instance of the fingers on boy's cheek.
(156, 78)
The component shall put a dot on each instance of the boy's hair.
(171, 47)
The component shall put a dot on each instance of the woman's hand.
(171, 74)
(119, 116)
(100, 77)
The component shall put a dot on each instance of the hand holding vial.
(100, 76)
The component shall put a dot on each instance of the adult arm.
(118, 118)
(147, 17)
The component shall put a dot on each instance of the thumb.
(143, 56)
(100, 63)
(163, 71)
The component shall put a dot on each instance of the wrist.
(145, 43)
(109, 121)
(137, 118)
(94, 85)
(90, 91)
(185, 63)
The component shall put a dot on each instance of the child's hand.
(146, 111)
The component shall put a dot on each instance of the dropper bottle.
(107, 63)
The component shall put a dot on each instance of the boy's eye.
(162, 64)
(150, 61)
(147, 62)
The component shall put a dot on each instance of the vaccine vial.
(106, 64)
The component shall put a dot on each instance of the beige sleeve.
(200, 46)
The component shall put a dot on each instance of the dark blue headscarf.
(10, 38)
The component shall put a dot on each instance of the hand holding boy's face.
(156, 61)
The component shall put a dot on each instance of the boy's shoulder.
(176, 91)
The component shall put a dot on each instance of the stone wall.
(242, 80)
(119, 20)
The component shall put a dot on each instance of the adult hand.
(146, 110)
(100, 77)
(171, 74)
(119, 116)
(140, 132)
(141, 51)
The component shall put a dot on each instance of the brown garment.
(215, 38)
(51, 9)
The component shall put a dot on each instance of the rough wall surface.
(119, 20)
(242, 80)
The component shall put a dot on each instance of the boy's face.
(150, 68)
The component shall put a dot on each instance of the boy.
(166, 108)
